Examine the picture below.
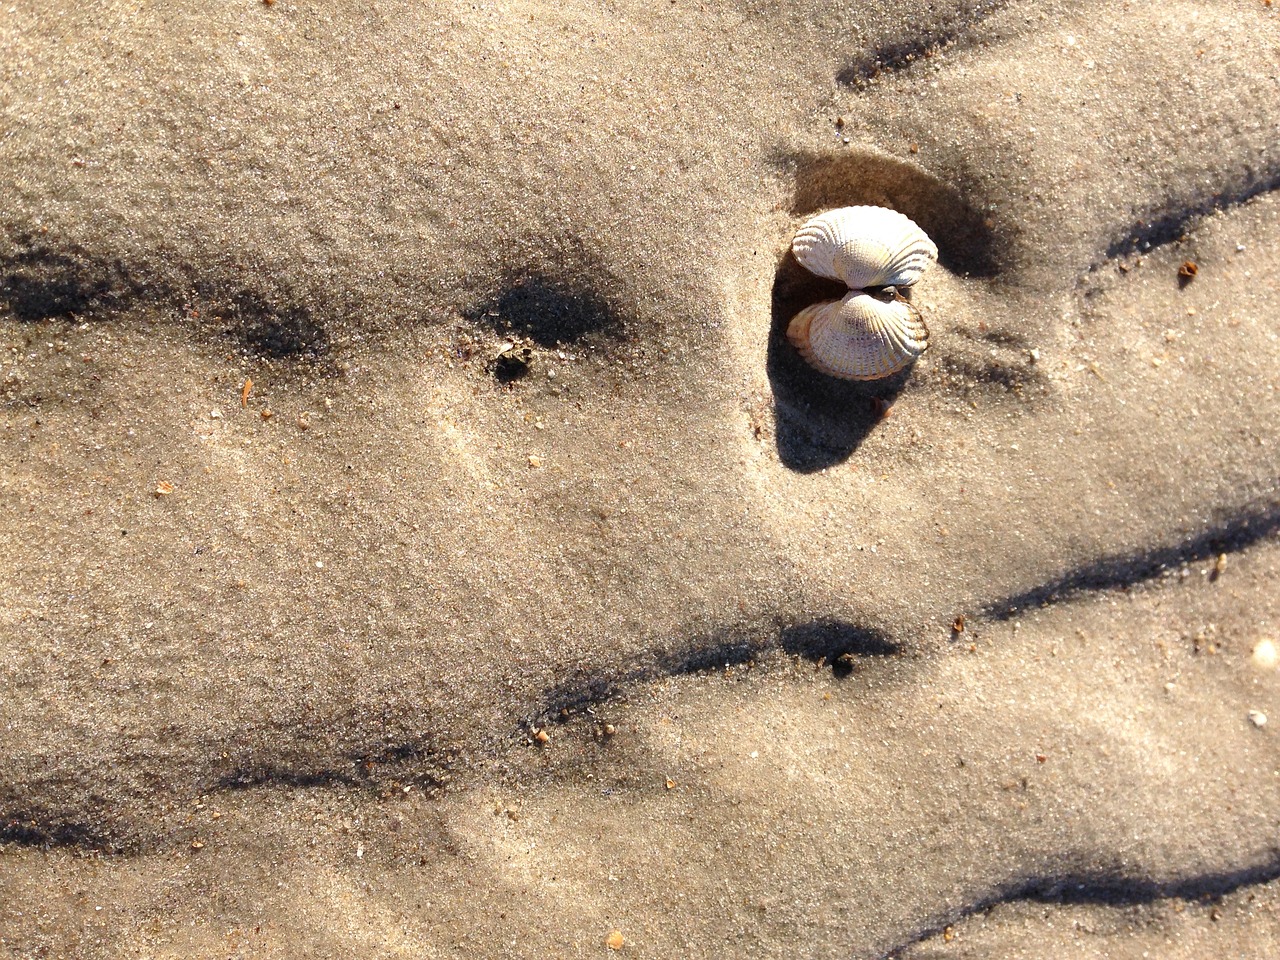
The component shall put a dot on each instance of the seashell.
(860, 337)
(864, 247)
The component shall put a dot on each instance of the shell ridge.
(864, 247)
(859, 337)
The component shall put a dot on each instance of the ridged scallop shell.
(859, 337)
(864, 247)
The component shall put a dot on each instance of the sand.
(418, 538)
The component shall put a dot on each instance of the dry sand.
(275, 657)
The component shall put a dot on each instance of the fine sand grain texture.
(418, 538)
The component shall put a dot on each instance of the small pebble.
(1257, 718)
(1265, 656)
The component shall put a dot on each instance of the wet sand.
(419, 538)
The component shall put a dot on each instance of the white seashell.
(860, 337)
(864, 247)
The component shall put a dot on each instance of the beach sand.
(420, 540)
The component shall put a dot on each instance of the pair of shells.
(872, 332)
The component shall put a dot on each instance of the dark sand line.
(1113, 890)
